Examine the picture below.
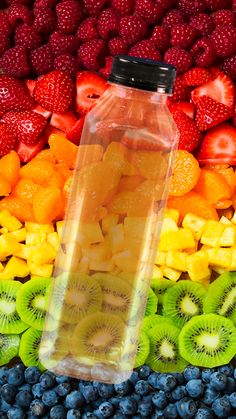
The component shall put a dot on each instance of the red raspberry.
(180, 58)
(224, 18)
(5, 27)
(27, 36)
(183, 35)
(15, 62)
(203, 52)
(92, 54)
(69, 15)
(203, 23)
(173, 17)
(124, 7)
(18, 13)
(132, 29)
(41, 60)
(229, 67)
(234, 5)
(224, 41)
(161, 38)
(181, 91)
(45, 20)
(106, 71)
(218, 4)
(145, 49)
(4, 44)
(45, 3)
(191, 7)
(24, 2)
(66, 63)
(166, 4)
(87, 30)
(93, 7)
(108, 23)
(117, 46)
(61, 43)
(148, 11)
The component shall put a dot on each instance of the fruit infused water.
(112, 224)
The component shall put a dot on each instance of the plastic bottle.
(110, 236)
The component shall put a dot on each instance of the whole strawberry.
(26, 125)
(54, 91)
(7, 140)
(189, 134)
(14, 95)
(211, 113)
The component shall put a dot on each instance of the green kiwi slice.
(208, 341)
(160, 286)
(152, 302)
(164, 348)
(183, 301)
(32, 302)
(9, 346)
(54, 346)
(143, 350)
(29, 348)
(152, 321)
(74, 296)
(221, 296)
(10, 321)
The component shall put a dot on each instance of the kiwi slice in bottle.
(164, 353)
(152, 302)
(183, 301)
(54, 346)
(143, 350)
(208, 341)
(29, 348)
(160, 286)
(32, 302)
(10, 320)
(221, 296)
(74, 296)
(9, 346)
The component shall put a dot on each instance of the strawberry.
(89, 88)
(27, 152)
(14, 95)
(219, 145)
(189, 134)
(186, 107)
(27, 125)
(30, 83)
(181, 91)
(196, 76)
(211, 113)
(7, 139)
(74, 134)
(54, 91)
(63, 121)
(137, 140)
(220, 89)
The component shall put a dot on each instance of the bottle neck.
(131, 93)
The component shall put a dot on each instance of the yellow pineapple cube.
(83, 265)
(53, 240)
(42, 254)
(220, 257)
(16, 267)
(212, 233)
(98, 252)
(9, 221)
(1, 267)
(160, 258)
(68, 258)
(42, 270)
(37, 238)
(24, 251)
(117, 238)
(233, 219)
(59, 227)
(171, 273)
(89, 233)
(195, 224)
(109, 221)
(8, 246)
(232, 266)
(157, 273)
(224, 220)
(35, 227)
(172, 213)
(227, 238)
(205, 247)
(197, 267)
(176, 240)
(218, 270)
(168, 225)
(136, 226)
(126, 261)
(103, 266)
(3, 230)
(177, 260)
(191, 250)
(19, 235)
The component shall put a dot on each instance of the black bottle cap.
(143, 74)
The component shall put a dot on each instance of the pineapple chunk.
(83, 265)
(176, 240)
(212, 233)
(218, 270)
(126, 261)
(103, 266)
(233, 219)
(205, 247)
(9, 221)
(117, 237)
(197, 267)
(227, 238)
(69, 257)
(53, 240)
(172, 213)
(24, 252)
(35, 238)
(191, 250)
(220, 257)
(232, 266)
(224, 220)
(42, 270)
(42, 254)
(16, 267)
(36, 228)
(8, 246)
(157, 273)
(1, 267)
(195, 224)
(171, 273)
(168, 224)
(136, 226)
(3, 230)
(97, 252)
(19, 235)
(160, 258)
(109, 221)
(59, 226)
(177, 260)
(89, 233)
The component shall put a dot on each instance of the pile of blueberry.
(199, 394)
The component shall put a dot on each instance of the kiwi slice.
(143, 350)
(183, 301)
(152, 321)
(160, 286)
(221, 296)
(98, 338)
(152, 302)
(10, 321)
(208, 341)
(74, 296)
(32, 302)
(127, 277)
(164, 348)
(29, 348)
(9, 346)
(54, 346)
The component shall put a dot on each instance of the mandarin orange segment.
(46, 155)
(234, 202)
(5, 187)
(150, 189)
(63, 150)
(118, 156)
(10, 167)
(227, 172)
(193, 203)
(150, 164)
(47, 204)
(185, 175)
(63, 168)
(67, 186)
(26, 189)
(212, 186)
(223, 204)
(39, 171)
(132, 204)
(129, 183)
(88, 153)
(57, 179)
(17, 207)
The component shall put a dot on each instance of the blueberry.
(144, 372)
(15, 412)
(179, 392)
(98, 414)
(235, 373)
(8, 392)
(115, 401)
(195, 388)
(20, 367)
(136, 397)
(218, 381)
(37, 407)
(209, 396)
(31, 416)
(179, 377)
(90, 393)
(204, 413)
(50, 398)
(230, 385)
(145, 408)
(87, 415)
(192, 373)
(206, 374)
(170, 411)
(32, 375)
(26, 387)
(159, 399)
(134, 377)
(63, 389)
(221, 407)
(74, 400)
(3, 375)
(4, 406)
(159, 414)
(167, 382)
(72, 414)
(47, 380)
(106, 409)
(227, 370)
(62, 379)
(15, 377)
(58, 412)
(24, 398)
(141, 387)
(37, 390)
(119, 415)
(123, 388)
(153, 380)
(186, 407)
(232, 399)
(105, 390)
(128, 406)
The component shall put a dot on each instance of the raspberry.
(27, 36)
(203, 52)
(224, 18)
(203, 23)
(24, 2)
(45, 20)
(18, 13)
(191, 7)
(69, 15)
(148, 11)
(234, 5)
(117, 46)
(108, 23)
(4, 44)
(106, 71)
(145, 49)
(60, 43)
(124, 7)
(224, 41)
(45, 3)
(181, 91)
(93, 7)
(179, 58)
(229, 67)
(5, 27)
(166, 4)
(173, 17)
(15, 62)
(66, 63)
(132, 29)
(92, 54)
(183, 35)
(218, 4)
(41, 60)
(87, 30)
(161, 38)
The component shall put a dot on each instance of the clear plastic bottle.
(110, 236)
